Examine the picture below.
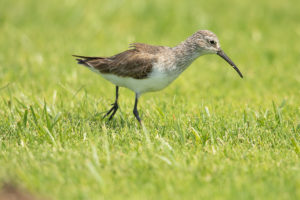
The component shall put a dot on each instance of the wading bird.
(147, 68)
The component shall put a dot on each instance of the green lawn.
(209, 135)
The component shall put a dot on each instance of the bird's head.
(207, 42)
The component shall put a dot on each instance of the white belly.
(155, 81)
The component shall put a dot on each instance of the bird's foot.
(112, 111)
(137, 116)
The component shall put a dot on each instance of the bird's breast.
(159, 78)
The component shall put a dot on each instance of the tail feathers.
(85, 59)
(81, 62)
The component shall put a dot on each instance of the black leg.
(115, 107)
(135, 111)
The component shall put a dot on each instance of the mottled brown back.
(135, 63)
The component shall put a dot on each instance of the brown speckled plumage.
(136, 62)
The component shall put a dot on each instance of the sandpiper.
(147, 68)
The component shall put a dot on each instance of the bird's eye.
(212, 42)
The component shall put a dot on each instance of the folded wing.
(135, 63)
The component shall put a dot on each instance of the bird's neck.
(185, 53)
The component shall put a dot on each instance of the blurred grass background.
(210, 134)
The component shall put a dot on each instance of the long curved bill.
(225, 57)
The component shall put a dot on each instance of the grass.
(209, 135)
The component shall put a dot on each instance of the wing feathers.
(135, 63)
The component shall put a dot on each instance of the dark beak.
(225, 57)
